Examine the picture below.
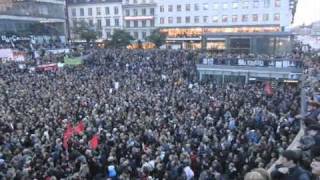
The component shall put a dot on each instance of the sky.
(308, 11)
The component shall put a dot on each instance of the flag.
(268, 89)
(79, 129)
(67, 135)
(94, 142)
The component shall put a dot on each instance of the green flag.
(72, 61)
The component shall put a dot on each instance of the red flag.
(67, 135)
(268, 88)
(94, 142)
(79, 129)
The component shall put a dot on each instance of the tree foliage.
(157, 38)
(120, 38)
(84, 31)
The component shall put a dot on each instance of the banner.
(72, 61)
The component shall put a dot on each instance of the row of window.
(216, 6)
(143, 23)
(143, 12)
(142, 1)
(98, 11)
(134, 34)
(135, 23)
(224, 18)
(99, 22)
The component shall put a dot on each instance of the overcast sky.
(307, 12)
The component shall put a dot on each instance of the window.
(170, 20)
(128, 24)
(99, 24)
(196, 19)
(178, 20)
(162, 20)
(205, 6)
(205, 19)
(277, 3)
(136, 35)
(245, 5)
(255, 4)
(276, 17)
(266, 3)
(254, 17)
(90, 22)
(215, 6)
(127, 1)
(144, 35)
(161, 9)
(235, 5)
(74, 23)
(116, 22)
(224, 18)
(135, 12)
(89, 11)
(225, 6)
(234, 18)
(187, 7)
(144, 23)
(107, 22)
(116, 10)
(265, 17)
(152, 11)
(98, 11)
(107, 10)
(215, 19)
(170, 8)
(135, 24)
(81, 12)
(127, 12)
(74, 12)
(196, 7)
(178, 8)
(188, 19)
(108, 34)
(135, 1)
(152, 23)
(144, 12)
(244, 18)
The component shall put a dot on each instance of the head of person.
(257, 174)
(315, 164)
(290, 158)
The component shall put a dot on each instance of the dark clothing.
(296, 173)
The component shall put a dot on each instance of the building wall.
(18, 15)
(222, 13)
(139, 17)
(108, 14)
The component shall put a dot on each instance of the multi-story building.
(249, 26)
(103, 15)
(139, 17)
(231, 25)
(19, 16)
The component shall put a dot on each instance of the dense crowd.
(152, 117)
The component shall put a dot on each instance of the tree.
(120, 38)
(85, 32)
(157, 38)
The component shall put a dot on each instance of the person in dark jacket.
(288, 169)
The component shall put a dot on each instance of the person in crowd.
(289, 167)
(139, 114)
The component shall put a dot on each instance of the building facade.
(225, 25)
(139, 17)
(19, 16)
(228, 25)
(104, 16)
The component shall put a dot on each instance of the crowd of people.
(150, 118)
